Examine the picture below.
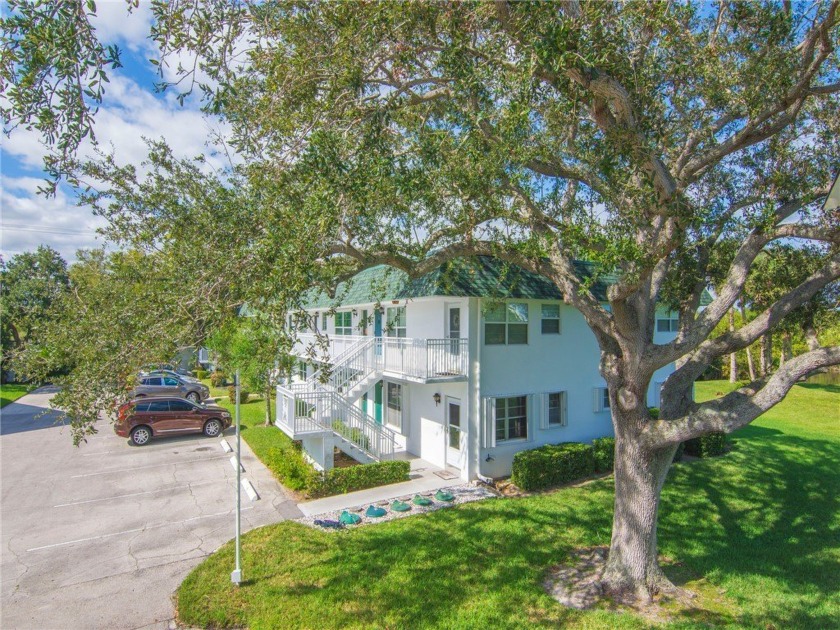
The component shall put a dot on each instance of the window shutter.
(532, 408)
(597, 399)
(404, 407)
(564, 401)
(489, 422)
(544, 416)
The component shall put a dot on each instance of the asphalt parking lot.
(101, 536)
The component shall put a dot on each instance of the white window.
(551, 319)
(555, 410)
(601, 399)
(395, 322)
(393, 414)
(506, 324)
(344, 323)
(671, 323)
(325, 322)
(511, 418)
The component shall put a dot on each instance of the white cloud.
(28, 220)
(116, 22)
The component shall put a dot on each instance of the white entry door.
(454, 433)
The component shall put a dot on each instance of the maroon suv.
(141, 420)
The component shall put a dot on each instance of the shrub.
(341, 480)
(218, 379)
(200, 374)
(603, 449)
(290, 467)
(243, 395)
(552, 464)
(354, 435)
(709, 445)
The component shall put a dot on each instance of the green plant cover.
(443, 495)
(349, 519)
(423, 501)
(400, 506)
(552, 464)
(375, 512)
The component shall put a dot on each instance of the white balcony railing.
(403, 357)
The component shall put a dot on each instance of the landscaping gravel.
(466, 493)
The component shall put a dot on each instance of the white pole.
(236, 575)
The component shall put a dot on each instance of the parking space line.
(136, 494)
(132, 531)
(111, 472)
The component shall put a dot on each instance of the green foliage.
(709, 445)
(552, 464)
(30, 284)
(352, 478)
(352, 434)
(603, 449)
(290, 467)
(243, 395)
(218, 379)
(200, 374)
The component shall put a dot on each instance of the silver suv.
(165, 385)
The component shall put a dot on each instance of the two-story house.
(463, 368)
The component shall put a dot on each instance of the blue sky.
(130, 112)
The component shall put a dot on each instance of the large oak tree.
(638, 135)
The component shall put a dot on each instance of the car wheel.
(141, 435)
(212, 428)
(193, 397)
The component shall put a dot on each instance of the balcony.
(415, 360)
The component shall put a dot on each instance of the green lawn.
(10, 393)
(762, 524)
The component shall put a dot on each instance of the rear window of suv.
(159, 405)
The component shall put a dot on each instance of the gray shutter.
(564, 409)
(544, 417)
(489, 422)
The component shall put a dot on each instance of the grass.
(10, 393)
(758, 529)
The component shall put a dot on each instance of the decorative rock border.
(466, 493)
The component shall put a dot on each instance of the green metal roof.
(480, 276)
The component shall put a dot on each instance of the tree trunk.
(733, 357)
(810, 335)
(268, 406)
(766, 357)
(633, 567)
(748, 350)
(787, 348)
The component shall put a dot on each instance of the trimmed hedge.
(552, 464)
(709, 445)
(341, 480)
(290, 467)
(200, 374)
(603, 450)
(243, 395)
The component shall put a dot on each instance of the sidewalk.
(423, 480)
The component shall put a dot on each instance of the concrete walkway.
(423, 480)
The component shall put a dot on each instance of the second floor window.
(551, 319)
(506, 324)
(344, 323)
(395, 322)
(668, 324)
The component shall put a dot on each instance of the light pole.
(236, 575)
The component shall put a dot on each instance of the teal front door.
(377, 402)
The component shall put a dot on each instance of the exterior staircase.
(324, 403)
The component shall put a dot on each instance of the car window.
(180, 405)
(141, 407)
(154, 381)
(159, 405)
(171, 382)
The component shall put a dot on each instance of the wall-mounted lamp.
(489, 459)
(395, 301)
(436, 398)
